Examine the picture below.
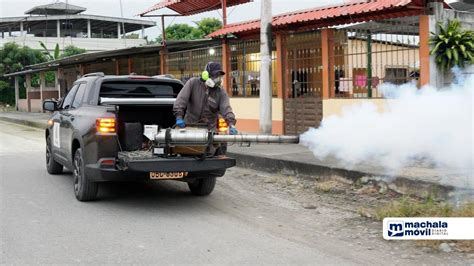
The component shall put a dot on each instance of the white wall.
(90, 44)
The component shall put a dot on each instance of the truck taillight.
(222, 125)
(105, 125)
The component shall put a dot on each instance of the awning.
(29, 71)
(191, 7)
(356, 11)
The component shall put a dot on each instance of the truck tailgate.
(145, 161)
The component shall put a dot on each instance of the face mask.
(218, 81)
(210, 83)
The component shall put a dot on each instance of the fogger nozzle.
(203, 137)
(255, 138)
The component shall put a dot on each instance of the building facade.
(65, 24)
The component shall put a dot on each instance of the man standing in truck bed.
(203, 98)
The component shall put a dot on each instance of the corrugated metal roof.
(190, 7)
(329, 13)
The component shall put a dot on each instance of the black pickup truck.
(96, 131)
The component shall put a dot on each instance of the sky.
(12, 8)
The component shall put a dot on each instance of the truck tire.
(202, 187)
(53, 167)
(84, 189)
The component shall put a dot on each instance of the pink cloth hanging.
(361, 80)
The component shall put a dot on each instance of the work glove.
(233, 131)
(180, 123)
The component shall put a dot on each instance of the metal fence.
(245, 68)
(365, 55)
(146, 64)
(303, 65)
(184, 65)
(122, 66)
(108, 67)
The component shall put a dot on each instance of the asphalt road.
(245, 220)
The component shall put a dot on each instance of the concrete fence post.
(17, 93)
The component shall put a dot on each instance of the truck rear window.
(139, 89)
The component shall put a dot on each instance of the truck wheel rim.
(77, 173)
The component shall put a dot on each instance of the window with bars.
(303, 65)
(184, 65)
(365, 55)
(245, 68)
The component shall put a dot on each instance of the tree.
(208, 25)
(71, 50)
(453, 46)
(181, 32)
(187, 32)
(50, 56)
(132, 36)
(12, 59)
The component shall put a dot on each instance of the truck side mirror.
(50, 105)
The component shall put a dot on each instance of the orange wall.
(252, 126)
(247, 112)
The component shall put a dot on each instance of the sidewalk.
(38, 120)
(297, 160)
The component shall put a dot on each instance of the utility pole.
(266, 67)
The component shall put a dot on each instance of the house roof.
(85, 58)
(57, 8)
(191, 7)
(354, 11)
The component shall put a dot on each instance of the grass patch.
(326, 186)
(408, 207)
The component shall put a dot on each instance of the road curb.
(400, 184)
(36, 124)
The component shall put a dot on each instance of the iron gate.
(302, 82)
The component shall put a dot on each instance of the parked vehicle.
(97, 131)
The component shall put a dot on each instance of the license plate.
(168, 175)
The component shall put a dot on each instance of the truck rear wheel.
(53, 167)
(84, 189)
(202, 187)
